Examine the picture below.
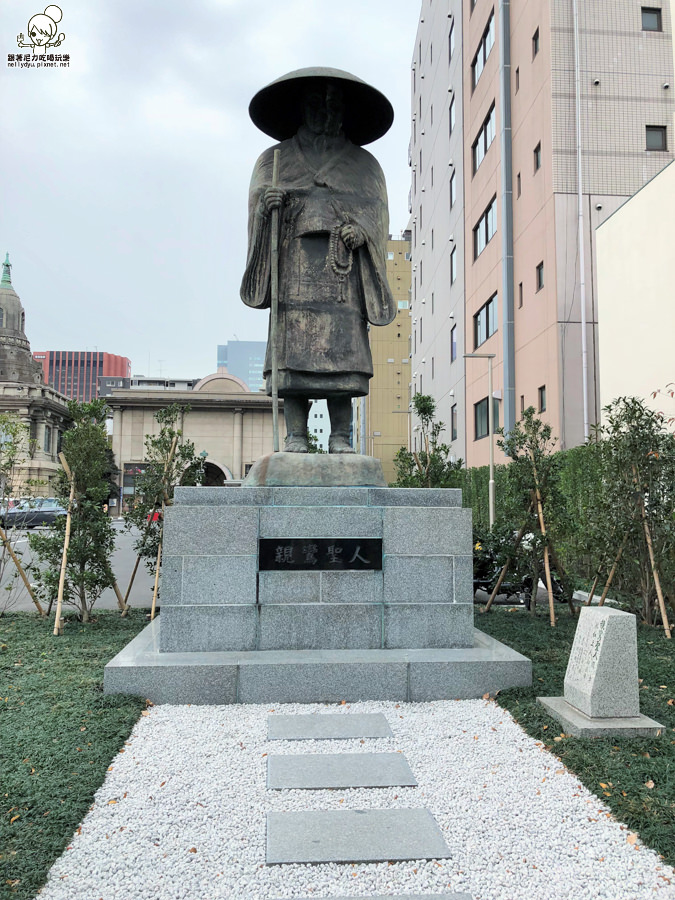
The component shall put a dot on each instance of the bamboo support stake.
(21, 570)
(542, 528)
(652, 559)
(58, 628)
(612, 571)
(156, 588)
(592, 591)
(148, 525)
(131, 580)
(505, 567)
(120, 599)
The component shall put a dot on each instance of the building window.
(453, 343)
(542, 398)
(537, 157)
(421, 273)
(520, 295)
(421, 338)
(433, 368)
(453, 265)
(451, 40)
(486, 136)
(480, 416)
(407, 256)
(518, 185)
(481, 419)
(522, 405)
(451, 116)
(453, 423)
(517, 79)
(656, 137)
(651, 19)
(453, 189)
(2, 318)
(540, 276)
(432, 303)
(486, 44)
(485, 230)
(390, 254)
(485, 322)
(48, 439)
(535, 43)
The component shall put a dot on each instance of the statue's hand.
(352, 236)
(273, 198)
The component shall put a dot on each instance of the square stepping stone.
(327, 726)
(362, 835)
(339, 770)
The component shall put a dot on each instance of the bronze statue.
(333, 225)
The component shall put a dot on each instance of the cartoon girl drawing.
(42, 29)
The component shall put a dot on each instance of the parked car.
(31, 513)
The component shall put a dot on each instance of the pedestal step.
(320, 676)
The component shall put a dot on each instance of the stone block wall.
(213, 597)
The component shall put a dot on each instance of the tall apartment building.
(494, 110)
(383, 418)
(245, 359)
(76, 373)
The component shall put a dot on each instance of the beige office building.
(383, 418)
(636, 281)
(502, 76)
(228, 422)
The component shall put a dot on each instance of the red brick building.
(76, 373)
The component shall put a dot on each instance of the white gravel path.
(181, 815)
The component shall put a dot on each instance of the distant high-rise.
(246, 360)
(529, 124)
(75, 373)
(385, 427)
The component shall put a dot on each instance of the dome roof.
(16, 361)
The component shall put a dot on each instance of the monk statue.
(333, 227)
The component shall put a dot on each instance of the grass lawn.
(618, 771)
(58, 732)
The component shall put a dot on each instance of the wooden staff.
(64, 558)
(274, 312)
(22, 573)
(652, 560)
(542, 528)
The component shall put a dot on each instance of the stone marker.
(327, 726)
(339, 770)
(601, 694)
(363, 835)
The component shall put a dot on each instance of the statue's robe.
(322, 332)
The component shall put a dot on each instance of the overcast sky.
(124, 178)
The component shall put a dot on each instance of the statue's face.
(324, 109)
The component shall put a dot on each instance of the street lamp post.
(491, 432)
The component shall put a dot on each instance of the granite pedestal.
(315, 594)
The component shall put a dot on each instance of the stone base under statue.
(313, 594)
(316, 470)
